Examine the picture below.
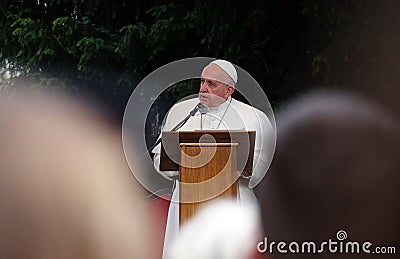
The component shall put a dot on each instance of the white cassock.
(230, 115)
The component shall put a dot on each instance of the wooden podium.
(209, 164)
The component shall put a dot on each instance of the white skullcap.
(228, 68)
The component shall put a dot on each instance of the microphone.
(203, 109)
(199, 107)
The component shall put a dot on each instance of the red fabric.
(158, 211)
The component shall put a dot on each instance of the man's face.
(213, 91)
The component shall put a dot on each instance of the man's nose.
(203, 88)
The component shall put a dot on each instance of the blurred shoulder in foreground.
(65, 188)
(223, 229)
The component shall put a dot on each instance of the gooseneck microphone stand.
(203, 109)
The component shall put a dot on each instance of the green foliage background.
(103, 48)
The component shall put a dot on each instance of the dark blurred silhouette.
(65, 188)
(335, 168)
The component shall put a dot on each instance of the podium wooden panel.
(171, 140)
(207, 171)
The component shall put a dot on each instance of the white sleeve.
(263, 149)
(157, 150)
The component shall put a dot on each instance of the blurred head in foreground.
(65, 188)
(221, 230)
(335, 168)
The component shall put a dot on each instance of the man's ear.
(229, 92)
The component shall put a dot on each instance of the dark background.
(101, 49)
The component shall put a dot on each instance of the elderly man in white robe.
(218, 80)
